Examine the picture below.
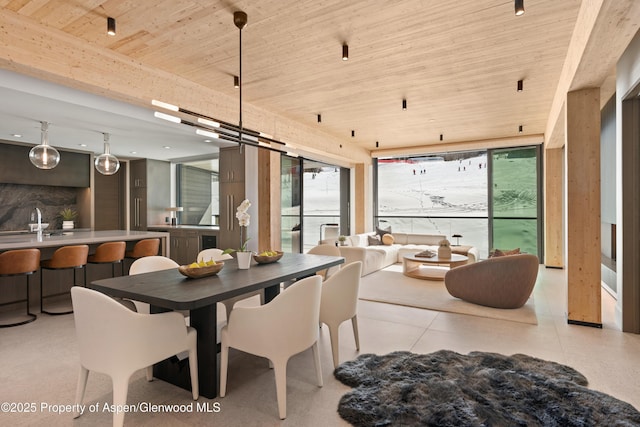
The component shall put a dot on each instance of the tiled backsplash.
(18, 202)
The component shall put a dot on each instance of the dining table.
(170, 290)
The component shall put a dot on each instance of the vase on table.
(444, 250)
(244, 260)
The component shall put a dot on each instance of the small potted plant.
(343, 240)
(68, 216)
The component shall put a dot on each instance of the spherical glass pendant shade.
(107, 164)
(44, 156)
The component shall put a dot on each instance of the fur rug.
(480, 389)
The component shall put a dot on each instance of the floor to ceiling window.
(290, 190)
(460, 194)
(514, 199)
(437, 194)
(314, 202)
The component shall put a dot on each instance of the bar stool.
(143, 248)
(109, 253)
(20, 262)
(64, 258)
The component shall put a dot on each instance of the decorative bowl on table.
(262, 258)
(197, 272)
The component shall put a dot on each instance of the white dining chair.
(212, 254)
(339, 303)
(150, 264)
(218, 255)
(116, 341)
(326, 249)
(277, 330)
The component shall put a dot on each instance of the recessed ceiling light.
(16, 135)
(82, 145)
(133, 152)
(167, 147)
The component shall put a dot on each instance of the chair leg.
(80, 388)
(316, 361)
(280, 371)
(224, 362)
(335, 343)
(149, 373)
(120, 389)
(193, 369)
(354, 323)
(30, 316)
(42, 297)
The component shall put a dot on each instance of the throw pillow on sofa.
(382, 231)
(374, 240)
(387, 239)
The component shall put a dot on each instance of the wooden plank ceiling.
(456, 63)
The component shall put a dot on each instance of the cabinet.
(231, 165)
(232, 193)
(185, 245)
(150, 183)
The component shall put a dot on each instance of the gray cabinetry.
(232, 193)
(150, 184)
(231, 165)
(185, 245)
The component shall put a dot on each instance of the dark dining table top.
(170, 289)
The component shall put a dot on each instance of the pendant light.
(44, 156)
(107, 163)
(519, 6)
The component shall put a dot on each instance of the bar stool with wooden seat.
(110, 253)
(143, 248)
(64, 258)
(20, 262)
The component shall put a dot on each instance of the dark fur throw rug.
(480, 389)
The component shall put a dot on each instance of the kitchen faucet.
(39, 218)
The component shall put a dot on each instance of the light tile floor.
(39, 364)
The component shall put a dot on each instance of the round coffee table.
(433, 268)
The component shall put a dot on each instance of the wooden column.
(553, 200)
(583, 207)
(269, 218)
(359, 198)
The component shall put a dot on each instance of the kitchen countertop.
(184, 227)
(73, 237)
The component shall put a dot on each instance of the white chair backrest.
(326, 249)
(340, 293)
(152, 263)
(111, 336)
(286, 325)
(212, 254)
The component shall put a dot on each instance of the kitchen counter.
(168, 227)
(77, 237)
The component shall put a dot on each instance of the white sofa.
(376, 257)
